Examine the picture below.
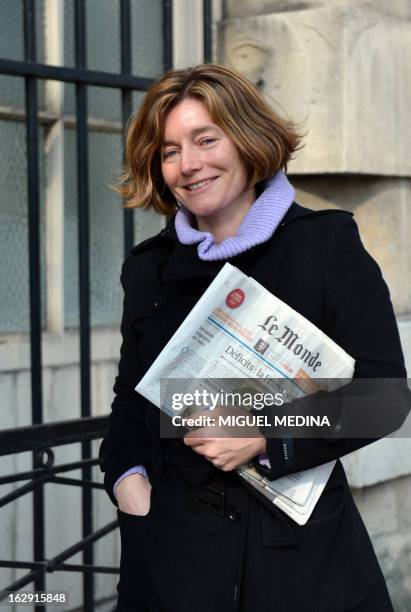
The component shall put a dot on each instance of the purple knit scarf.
(257, 226)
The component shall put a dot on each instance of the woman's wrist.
(129, 480)
(136, 469)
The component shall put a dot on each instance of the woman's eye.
(168, 154)
(207, 141)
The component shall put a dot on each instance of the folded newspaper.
(239, 330)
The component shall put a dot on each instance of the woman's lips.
(202, 185)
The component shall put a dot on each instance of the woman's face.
(201, 165)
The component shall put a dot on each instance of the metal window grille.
(40, 438)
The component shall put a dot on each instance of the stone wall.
(341, 68)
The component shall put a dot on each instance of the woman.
(204, 143)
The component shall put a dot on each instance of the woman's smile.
(200, 186)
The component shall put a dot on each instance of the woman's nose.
(190, 161)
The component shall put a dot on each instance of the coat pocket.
(143, 564)
(134, 534)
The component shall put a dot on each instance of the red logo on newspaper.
(235, 298)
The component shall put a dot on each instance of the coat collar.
(182, 261)
(294, 213)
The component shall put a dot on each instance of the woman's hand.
(229, 449)
(133, 495)
(226, 453)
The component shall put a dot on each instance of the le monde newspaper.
(239, 331)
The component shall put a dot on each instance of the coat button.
(158, 303)
(234, 514)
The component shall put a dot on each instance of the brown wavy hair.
(266, 142)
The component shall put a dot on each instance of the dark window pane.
(69, 53)
(11, 30)
(106, 229)
(147, 38)
(11, 47)
(41, 29)
(103, 35)
(14, 271)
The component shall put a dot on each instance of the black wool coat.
(180, 557)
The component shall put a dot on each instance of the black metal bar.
(75, 482)
(168, 34)
(29, 31)
(207, 31)
(100, 569)
(41, 471)
(33, 198)
(41, 436)
(80, 31)
(32, 135)
(126, 106)
(21, 582)
(74, 75)
(32, 486)
(125, 33)
(22, 564)
(65, 567)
